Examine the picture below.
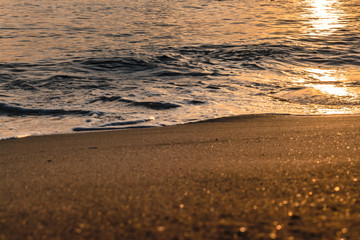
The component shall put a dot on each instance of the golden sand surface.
(246, 177)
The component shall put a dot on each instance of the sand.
(247, 177)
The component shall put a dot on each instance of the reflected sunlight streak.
(328, 75)
(321, 76)
(324, 17)
(332, 90)
(327, 81)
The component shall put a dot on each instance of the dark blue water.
(81, 65)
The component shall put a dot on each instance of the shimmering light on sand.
(337, 189)
(272, 235)
(290, 213)
(242, 229)
(160, 228)
(355, 179)
(181, 206)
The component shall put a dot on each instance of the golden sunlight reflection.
(324, 17)
(332, 90)
(330, 82)
(326, 75)
(315, 75)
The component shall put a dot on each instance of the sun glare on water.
(332, 90)
(324, 17)
(328, 82)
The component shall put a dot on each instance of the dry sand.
(249, 177)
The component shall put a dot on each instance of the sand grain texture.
(249, 177)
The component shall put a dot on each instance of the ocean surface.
(80, 65)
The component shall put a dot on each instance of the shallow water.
(89, 64)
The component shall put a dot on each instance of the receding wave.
(82, 129)
(125, 64)
(195, 61)
(20, 84)
(156, 105)
(167, 73)
(11, 110)
(248, 56)
(117, 125)
(67, 81)
(257, 56)
(147, 104)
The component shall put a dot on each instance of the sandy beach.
(247, 177)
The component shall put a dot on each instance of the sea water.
(82, 65)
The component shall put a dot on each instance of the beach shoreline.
(246, 177)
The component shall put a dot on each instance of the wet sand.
(249, 177)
